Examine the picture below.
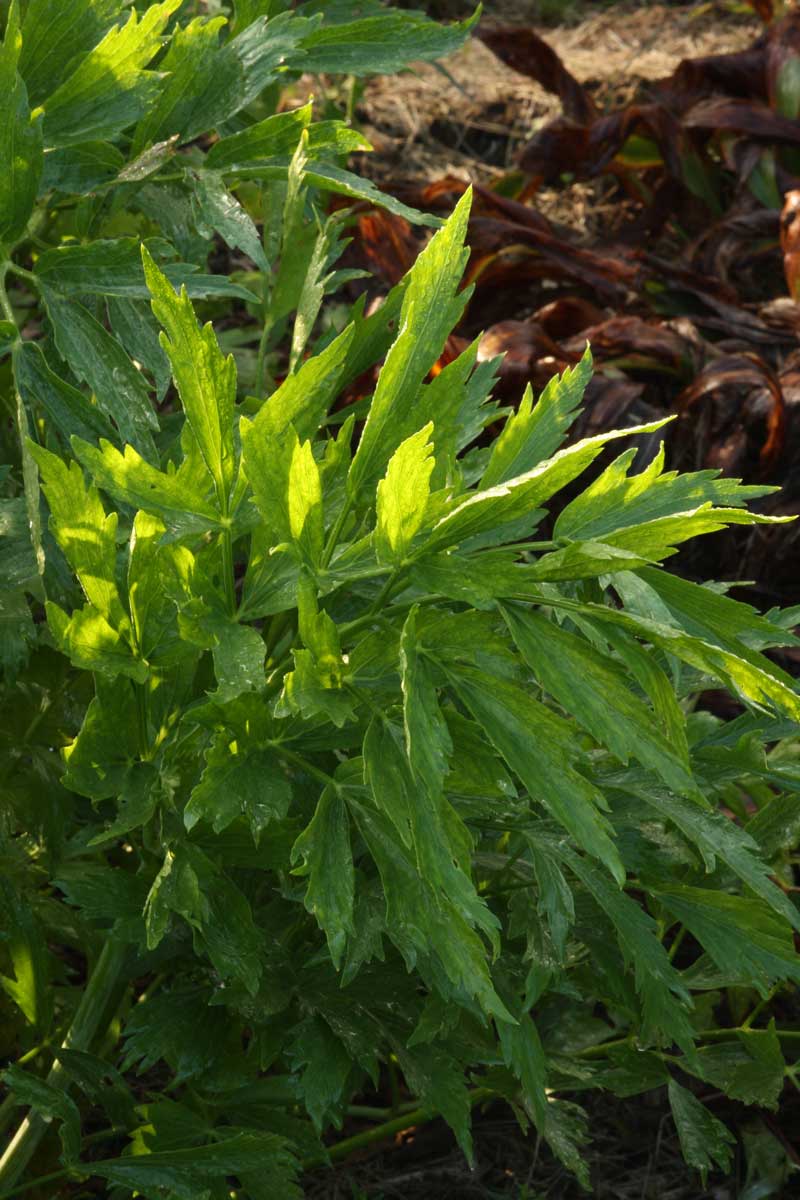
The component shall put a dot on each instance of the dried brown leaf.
(524, 51)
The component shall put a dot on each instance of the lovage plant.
(340, 735)
(376, 762)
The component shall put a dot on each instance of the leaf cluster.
(345, 733)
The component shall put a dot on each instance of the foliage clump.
(357, 734)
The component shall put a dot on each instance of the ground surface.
(471, 121)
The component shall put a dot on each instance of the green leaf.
(239, 654)
(750, 1069)
(328, 177)
(17, 631)
(187, 1173)
(475, 769)
(286, 484)
(594, 689)
(101, 756)
(585, 560)
(746, 672)
(536, 431)
(229, 934)
(51, 1103)
(429, 311)
(324, 848)
(68, 409)
(92, 644)
(232, 78)
(21, 155)
(516, 500)
(137, 802)
(218, 210)
(741, 934)
(381, 44)
(236, 783)
(438, 1079)
(172, 496)
(716, 835)
(205, 379)
(175, 889)
(403, 496)
(105, 895)
(540, 747)
(705, 1141)
(81, 169)
(278, 136)
(30, 988)
(133, 325)
(178, 1026)
(776, 826)
(428, 743)
(325, 1066)
(114, 267)
(313, 689)
(705, 613)
(84, 532)
(303, 399)
(659, 984)
(190, 64)
(424, 820)
(660, 538)
(523, 1054)
(96, 357)
(55, 35)
(159, 585)
(423, 925)
(109, 89)
(618, 501)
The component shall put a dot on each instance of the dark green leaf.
(21, 156)
(51, 1103)
(96, 357)
(540, 747)
(705, 1141)
(324, 848)
(248, 782)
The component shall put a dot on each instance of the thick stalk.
(5, 304)
(93, 1008)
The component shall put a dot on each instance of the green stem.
(28, 276)
(5, 304)
(708, 1035)
(417, 1116)
(141, 711)
(367, 1113)
(64, 1173)
(338, 526)
(384, 594)
(676, 943)
(299, 761)
(226, 547)
(759, 1008)
(97, 997)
